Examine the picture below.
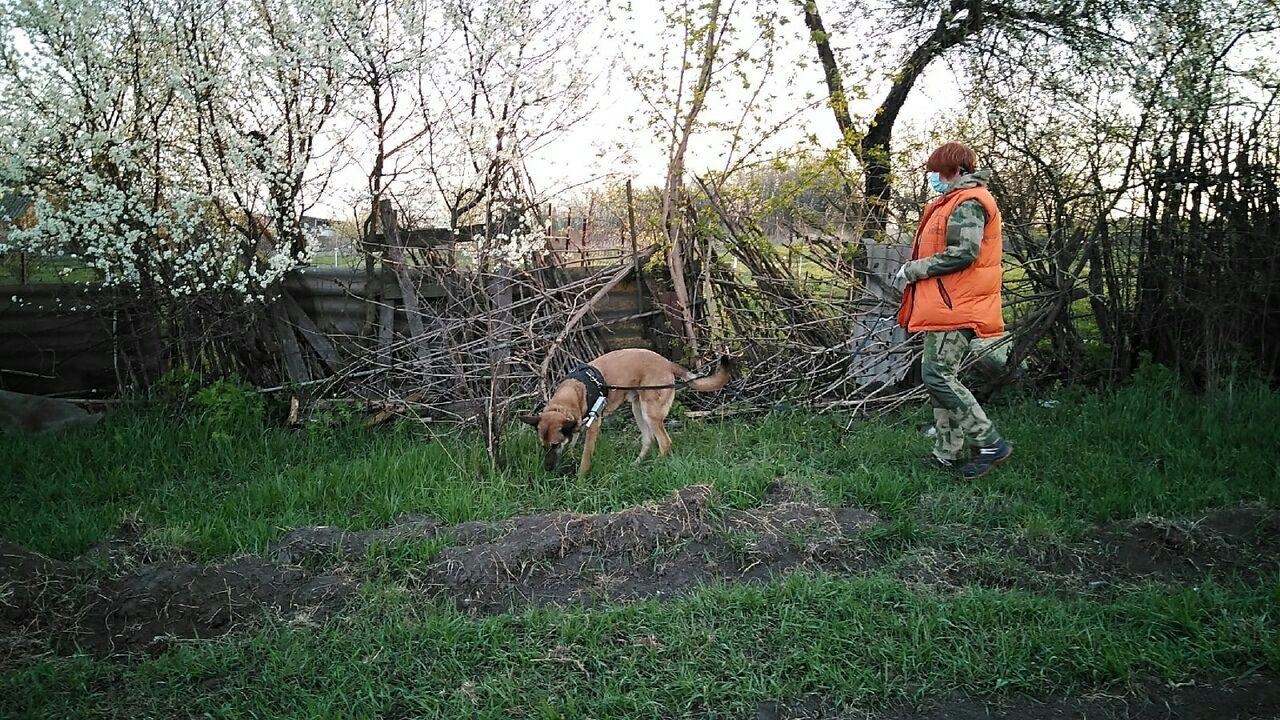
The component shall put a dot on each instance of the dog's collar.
(593, 380)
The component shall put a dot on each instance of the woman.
(952, 295)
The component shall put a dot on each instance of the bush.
(228, 405)
(177, 387)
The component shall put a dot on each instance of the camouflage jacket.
(964, 234)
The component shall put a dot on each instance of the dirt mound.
(1255, 698)
(29, 582)
(1240, 540)
(304, 544)
(654, 550)
(123, 596)
(143, 610)
(117, 598)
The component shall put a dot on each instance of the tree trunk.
(838, 101)
(875, 145)
(673, 188)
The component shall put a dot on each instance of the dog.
(643, 377)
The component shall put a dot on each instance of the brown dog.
(643, 377)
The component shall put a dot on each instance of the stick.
(573, 320)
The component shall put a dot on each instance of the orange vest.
(969, 298)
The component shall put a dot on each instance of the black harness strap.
(593, 380)
(597, 391)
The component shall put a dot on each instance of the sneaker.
(946, 464)
(986, 459)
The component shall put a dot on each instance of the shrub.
(228, 405)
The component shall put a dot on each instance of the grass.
(714, 654)
(1145, 449)
(43, 271)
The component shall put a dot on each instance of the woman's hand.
(909, 272)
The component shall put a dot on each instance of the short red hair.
(952, 158)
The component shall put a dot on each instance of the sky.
(606, 146)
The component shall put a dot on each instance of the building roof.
(13, 206)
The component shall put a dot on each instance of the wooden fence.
(56, 340)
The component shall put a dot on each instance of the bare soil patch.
(1253, 698)
(654, 550)
(1238, 542)
(303, 544)
(118, 598)
(659, 550)
(122, 597)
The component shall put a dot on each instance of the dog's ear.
(530, 420)
(570, 425)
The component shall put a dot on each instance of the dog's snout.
(552, 456)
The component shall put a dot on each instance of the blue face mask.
(936, 182)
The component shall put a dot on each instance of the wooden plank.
(576, 318)
(408, 293)
(635, 255)
(386, 333)
(316, 339)
(295, 365)
(427, 237)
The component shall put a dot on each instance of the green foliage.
(678, 411)
(228, 406)
(1156, 379)
(177, 387)
(333, 422)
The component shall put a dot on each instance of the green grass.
(861, 640)
(1145, 449)
(42, 271)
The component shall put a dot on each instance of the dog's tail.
(708, 383)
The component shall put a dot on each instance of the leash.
(676, 384)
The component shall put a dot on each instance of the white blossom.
(180, 165)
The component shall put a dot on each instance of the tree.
(1142, 186)
(938, 27)
(168, 145)
(709, 46)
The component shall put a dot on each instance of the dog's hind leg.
(642, 422)
(656, 413)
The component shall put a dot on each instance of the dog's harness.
(598, 390)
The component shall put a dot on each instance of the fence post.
(586, 227)
(568, 236)
(635, 254)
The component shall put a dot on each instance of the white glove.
(901, 275)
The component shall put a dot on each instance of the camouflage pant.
(957, 415)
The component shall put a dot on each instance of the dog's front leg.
(589, 448)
